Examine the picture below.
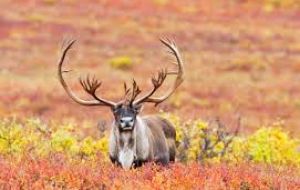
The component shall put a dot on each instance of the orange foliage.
(56, 172)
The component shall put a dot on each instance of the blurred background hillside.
(242, 57)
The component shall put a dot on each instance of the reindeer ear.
(138, 108)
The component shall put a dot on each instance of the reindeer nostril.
(127, 120)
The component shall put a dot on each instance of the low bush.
(122, 62)
(196, 141)
(57, 172)
(212, 142)
(34, 155)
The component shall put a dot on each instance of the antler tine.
(89, 86)
(161, 76)
(135, 91)
(157, 82)
(126, 90)
(82, 82)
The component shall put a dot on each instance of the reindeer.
(134, 140)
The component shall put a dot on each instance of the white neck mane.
(142, 139)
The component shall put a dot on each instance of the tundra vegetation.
(236, 115)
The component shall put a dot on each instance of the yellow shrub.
(273, 145)
(12, 140)
(90, 147)
(122, 62)
(63, 141)
(102, 145)
(238, 150)
(196, 140)
(195, 134)
(272, 4)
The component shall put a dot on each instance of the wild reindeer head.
(126, 110)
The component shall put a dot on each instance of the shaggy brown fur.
(152, 139)
(159, 126)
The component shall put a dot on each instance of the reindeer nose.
(127, 121)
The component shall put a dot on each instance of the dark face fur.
(125, 116)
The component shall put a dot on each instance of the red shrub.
(57, 172)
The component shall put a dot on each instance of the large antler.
(90, 86)
(158, 81)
